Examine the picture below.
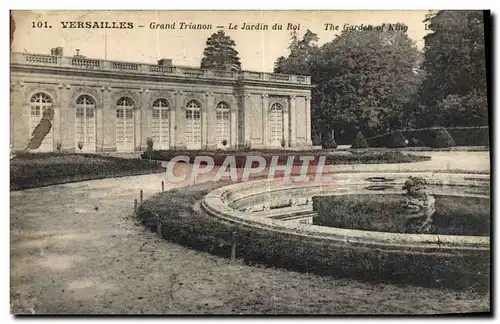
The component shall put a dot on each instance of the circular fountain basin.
(285, 208)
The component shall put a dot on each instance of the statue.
(419, 204)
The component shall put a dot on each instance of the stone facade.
(104, 106)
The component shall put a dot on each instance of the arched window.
(160, 127)
(223, 124)
(276, 123)
(41, 108)
(193, 110)
(85, 123)
(193, 125)
(125, 125)
(276, 107)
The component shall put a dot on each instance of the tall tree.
(220, 53)
(363, 79)
(301, 53)
(456, 70)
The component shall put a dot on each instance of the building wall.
(249, 108)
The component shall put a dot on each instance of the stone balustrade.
(131, 67)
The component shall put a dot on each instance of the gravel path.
(75, 249)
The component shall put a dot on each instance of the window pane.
(79, 112)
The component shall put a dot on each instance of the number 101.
(40, 24)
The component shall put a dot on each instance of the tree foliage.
(454, 92)
(302, 51)
(220, 53)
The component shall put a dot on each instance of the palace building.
(105, 106)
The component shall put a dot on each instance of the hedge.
(462, 136)
(184, 222)
(331, 157)
(44, 169)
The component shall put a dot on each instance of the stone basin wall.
(424, 259)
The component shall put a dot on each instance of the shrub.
(58, 146)
(328, 142)
(340, 158)
(150, 143)
(397, 140)
(443, 139)
(359, 141)
(224, 142)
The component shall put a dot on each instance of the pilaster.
(172, 127)
(247, 124)
(286, 126)
(140, 120)
(208, 119)
(234, 122)
(179, 120)
(19, 116)
(308, 120)
(64, 120)
(108, 120)
(265, 109)
(293, 123)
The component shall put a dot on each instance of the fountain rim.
(216, 204)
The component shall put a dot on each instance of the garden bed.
(332, 157)
(183, 221)
(45, 169)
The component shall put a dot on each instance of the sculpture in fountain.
(419, 204)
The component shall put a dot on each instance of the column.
(179, 120)
(265, 109)
(308, 121)
(209, 128)
(293, 124)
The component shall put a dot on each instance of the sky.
(258, 49)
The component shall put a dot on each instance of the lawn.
(44, 169)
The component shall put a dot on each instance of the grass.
(384, 213)
(45, 169)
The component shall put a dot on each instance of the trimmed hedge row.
(44, 169)
(331, 157)
(460, 136)
(185, 222)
